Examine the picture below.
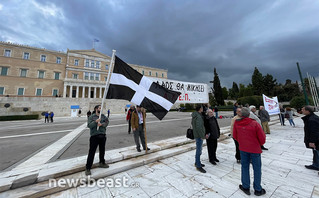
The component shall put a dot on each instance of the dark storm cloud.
(189, 38)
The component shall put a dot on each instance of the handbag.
(189, 133)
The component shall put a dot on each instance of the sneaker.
(201, 170)
(216, 160)
(311, 167)
(103, 165)
(238, 161)
(138, 150)
(245, 190)
(259, 193)
(147, 149)
(264, 148)
(87, 172)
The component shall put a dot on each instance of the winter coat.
(135, 121)
(249, 135)
(198, 125)
(212, 127)
(311, 129)
(264, 116)
(93, 125)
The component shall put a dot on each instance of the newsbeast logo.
(91, 182)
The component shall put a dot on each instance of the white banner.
(191, 92)
(271, 105)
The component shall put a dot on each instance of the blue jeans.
(199, 144)
(315, 160)
(245, 163)
(291, 122)
(216, 113)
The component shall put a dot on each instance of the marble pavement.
(283, 172)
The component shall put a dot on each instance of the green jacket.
(198, 125)
(93, 125)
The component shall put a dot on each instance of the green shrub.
(19, 117)
(229, 103)
(299, 101)
(251, 100)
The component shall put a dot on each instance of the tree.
(257, 82)
(218, 93)
(269, 84)
(225, 93)
(234, 91)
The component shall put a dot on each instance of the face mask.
(98, 111)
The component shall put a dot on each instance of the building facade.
(34, 72)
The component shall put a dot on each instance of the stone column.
(71, 88)
(77, 92)
(64, 91)
(83, 91)
(100, 92)
(89, 94)
(94, 92)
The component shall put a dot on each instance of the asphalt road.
(21, 139)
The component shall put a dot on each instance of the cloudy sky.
(187, 37)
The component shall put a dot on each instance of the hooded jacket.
(198, 125)
(249, 135)
(311, 129)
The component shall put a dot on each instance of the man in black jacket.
(311, 140)
(213, 132)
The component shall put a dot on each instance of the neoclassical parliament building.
(35, 72)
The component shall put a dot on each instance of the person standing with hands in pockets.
(98, 138)
(199, 135)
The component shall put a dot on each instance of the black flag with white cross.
(128, 84)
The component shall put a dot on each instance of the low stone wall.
(60, 106)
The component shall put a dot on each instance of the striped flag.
(128, 84)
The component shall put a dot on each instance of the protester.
(128, 118)
(311, 139)
(97, 138)
(264, 118)
(253, 115)
(235, 108)
(250, 137)
(199, 135)
(80, 111)
(88, 113)
(238, 116)
(213, 132)
(108, 113)
(216, 112)
(138, 123)
(282, 115)
(290, 116)
(46, 117)
(51, 116)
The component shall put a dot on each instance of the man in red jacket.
(250, 137)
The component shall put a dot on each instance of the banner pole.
(107, 81)
(146, 148)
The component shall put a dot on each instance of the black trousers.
(237, 155)
(211, 148)
(129, 126)
(97, 140)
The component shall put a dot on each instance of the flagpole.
(107, 81)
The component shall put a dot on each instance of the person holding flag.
(97, 123)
